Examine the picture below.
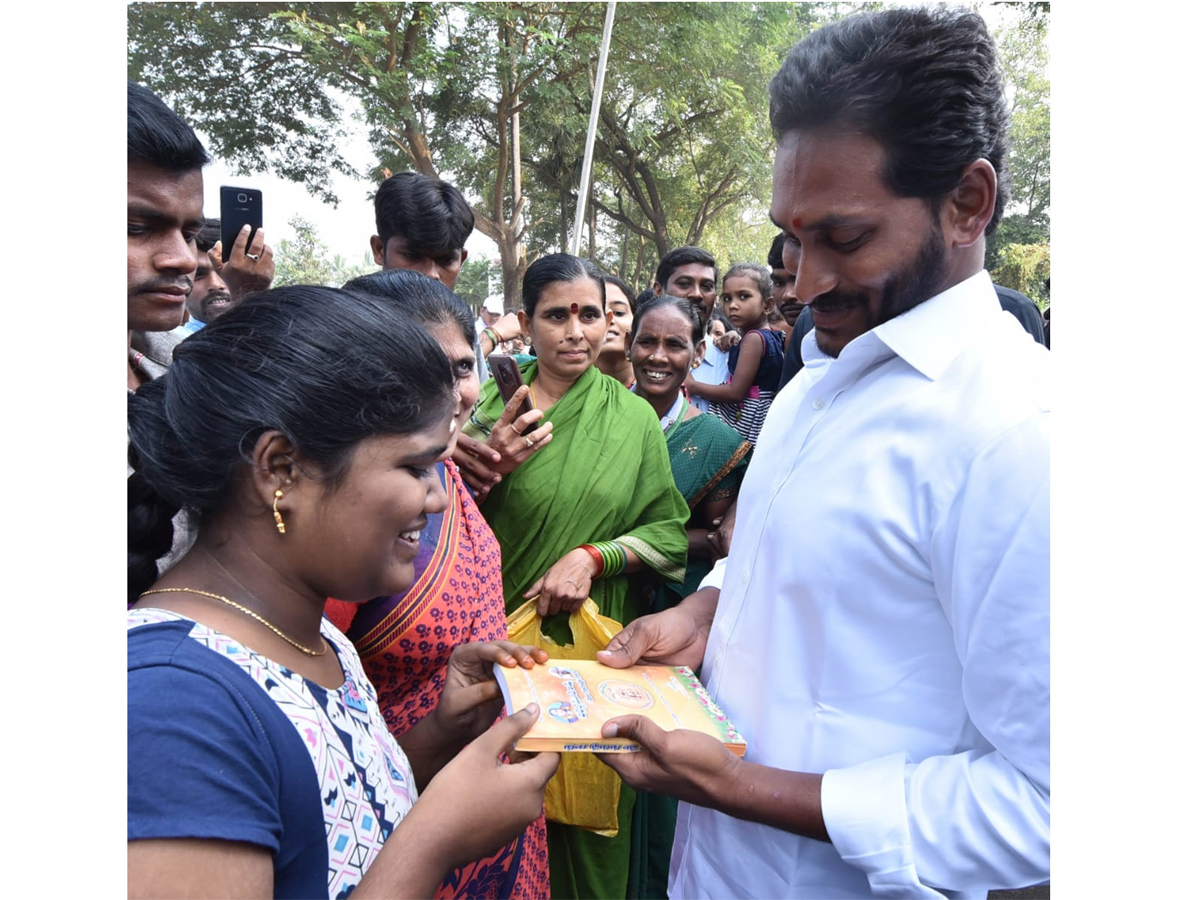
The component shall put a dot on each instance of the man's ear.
(377, 248)
(969, 207)
(657, 289)
(462, 259)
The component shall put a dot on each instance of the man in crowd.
(489, 313)
(892, 682)
(247, 272)
(210, 295)
(783, 291)
(492, 329)
(423, 224)
(165, 212)
(691, 273)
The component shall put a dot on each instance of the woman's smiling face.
(662, 352)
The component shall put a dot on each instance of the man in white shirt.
(892, 680)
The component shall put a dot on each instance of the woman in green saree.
(708, 460)
(580, 509)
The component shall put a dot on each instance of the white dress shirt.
(884, 617)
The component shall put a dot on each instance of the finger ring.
(253, 256)
(528, 442)
(514, 428)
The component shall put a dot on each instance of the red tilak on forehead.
(574, 309)
(797, 224)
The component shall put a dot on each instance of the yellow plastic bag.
(583, 792)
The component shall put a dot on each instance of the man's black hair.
(208, 235)
(158, 136)
(925, 83)
(683, 256)
(775, 254)
(431, 215)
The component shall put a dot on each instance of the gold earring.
(275, 509)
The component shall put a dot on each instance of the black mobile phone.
(508, 379)
(239, 206)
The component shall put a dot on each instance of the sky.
(344, 229)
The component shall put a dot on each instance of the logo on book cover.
(626, 694)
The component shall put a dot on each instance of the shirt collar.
(929, 336)
(932, 334)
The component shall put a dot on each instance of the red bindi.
(797, 224)
(574, 309)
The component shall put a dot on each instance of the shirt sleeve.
(199, 762)
(974, 820)
(716, 577)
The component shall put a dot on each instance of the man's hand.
(249, 269)
(675, 637)
(721, 537)
(566, 584)
(688, 765)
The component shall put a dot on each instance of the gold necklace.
(251, 613)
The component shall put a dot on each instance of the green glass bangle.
(613, 555)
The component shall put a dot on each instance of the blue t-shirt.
(225, 744)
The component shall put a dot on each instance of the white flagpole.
(586, 176)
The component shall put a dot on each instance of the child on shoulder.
(755, 363)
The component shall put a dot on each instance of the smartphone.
(239, 206)
(508, 379)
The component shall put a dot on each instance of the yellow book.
(576, 697)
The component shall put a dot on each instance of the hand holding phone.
(239, 206)
(508, 379)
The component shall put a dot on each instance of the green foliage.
(232, 70)
(1025, 268)
(475, 279)
(305, 259)
(1021, 41)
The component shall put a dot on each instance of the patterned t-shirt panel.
(363, 783)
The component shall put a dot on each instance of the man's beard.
(907, 289)
(212, 298)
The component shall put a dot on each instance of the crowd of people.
(820, 480)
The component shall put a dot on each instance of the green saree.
(708, 460)
(604, 476)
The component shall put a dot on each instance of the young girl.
(755, 363)
(301, 430)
